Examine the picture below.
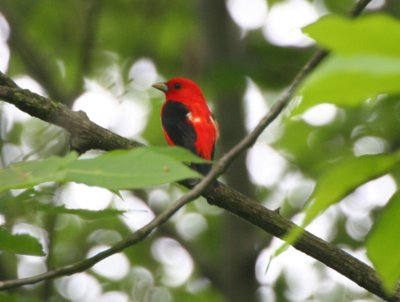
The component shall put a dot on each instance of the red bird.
(187, 121)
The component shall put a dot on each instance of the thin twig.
(282, 101)
(123, 244)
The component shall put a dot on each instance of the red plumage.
(187, 121)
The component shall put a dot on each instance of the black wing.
(175, 122)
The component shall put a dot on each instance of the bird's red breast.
(187, 121)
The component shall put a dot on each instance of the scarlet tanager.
(187, 121)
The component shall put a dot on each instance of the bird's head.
(180, 89)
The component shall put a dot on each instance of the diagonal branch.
(123, 244)
(222, 196)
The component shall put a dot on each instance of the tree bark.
(223, 53)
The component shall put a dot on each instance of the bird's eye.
(177, 85)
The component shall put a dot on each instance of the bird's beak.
(161, 86)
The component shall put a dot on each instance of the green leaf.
(363, 63)
(30, 173)
(338, 182)
(179, 153)
(28, 202)
(344, 178)
(20, 243)
(375, 34)
(84, 214)
(121, 169)
(384, 239)
(348, 81)
(132, 169)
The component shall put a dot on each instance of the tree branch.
(123, 244)
(222, 196)
(85, 135)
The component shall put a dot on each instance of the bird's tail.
(204, 169)
(201, 168)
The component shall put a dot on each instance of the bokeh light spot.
(114, 267)
(320, 115)
(178, 265)
(248, 14)
(265, 165)
(143, 74)
(285, 20)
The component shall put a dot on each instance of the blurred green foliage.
(48, 43)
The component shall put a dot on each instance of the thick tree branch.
(222, 196)
(275, 224)
(85, 135)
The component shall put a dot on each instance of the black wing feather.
(175, 122)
